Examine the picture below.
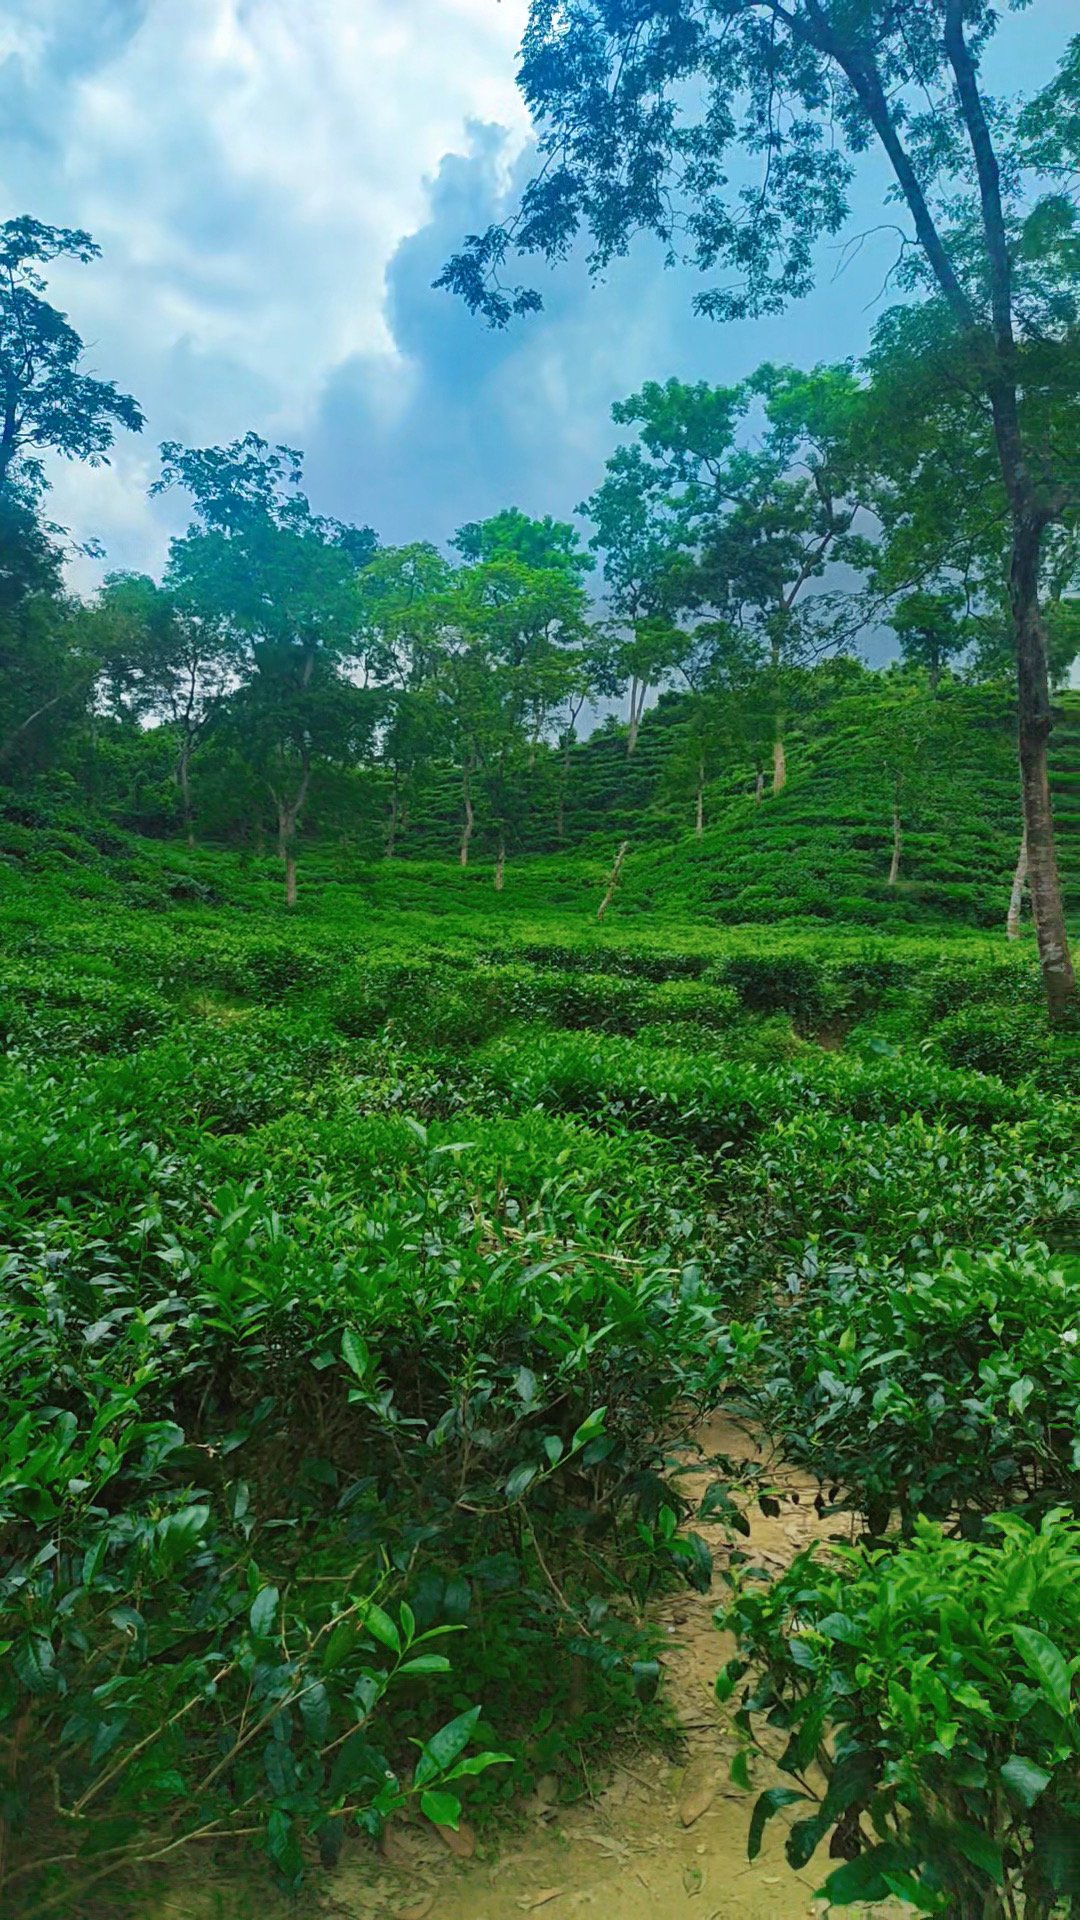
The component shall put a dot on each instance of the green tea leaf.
(1048, 1665)
(767, 1804)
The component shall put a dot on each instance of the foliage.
(934, 1686)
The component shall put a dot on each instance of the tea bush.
(360, 1272)
(946, 1392)
(934, 1687)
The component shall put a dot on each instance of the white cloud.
(249, 168)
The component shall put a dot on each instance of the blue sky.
(275, 183)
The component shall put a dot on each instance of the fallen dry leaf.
(461, 1840)
(418, 1911)
(392, 1848)
(541, 1899)
(698, 1791)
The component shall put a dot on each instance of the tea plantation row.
(360, 1276)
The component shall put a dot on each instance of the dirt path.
(659, 1841)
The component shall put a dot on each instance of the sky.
(275, 184)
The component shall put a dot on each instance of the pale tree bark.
(500, 862)
(183, 777)
(469, 819)
(1016, 891)
(897, 840)
(1044, 887)
(759, 786)
(395, 817)
(779, 765)
(699, 801)
(289, 810)
(638, 692)
(613, 880)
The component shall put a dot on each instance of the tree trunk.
(759, 786)
(183, 775)
(779, 765)
(699, 802)
(470, 819)
(560, 796)
(613, 880)
(1016, 891)
(500, 862)
(897, 841)
(638, 690)
(395, 814)
(1033, 703)
(287, 817)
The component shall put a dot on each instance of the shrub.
(934, 1686)
(946, 1392)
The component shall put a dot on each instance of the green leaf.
(589, 1428)
(838, 1626)
(977, 1846)
(315, 1712)
(804, 1839)
(443, 1748)
(179, 1533)
(864, 1877)
(476, 1763)
(426, 1663)
(442, 1809)
(521, 1480)
(264, 1612)
(33, 1663)
(1020, 1393)
(740, 1769)
(1048, 1665)
(355, 1354)
(766, 1805)
(1024, 1779)
(381, 1627)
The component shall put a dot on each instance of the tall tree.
(167, 661)
(284, 583)
(509, 637)
(48, 402)
(754, 519)
(930, 631)
(398, 591)
(638, 540)
(639, 105)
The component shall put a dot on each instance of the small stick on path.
(613, 880)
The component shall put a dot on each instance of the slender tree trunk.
(1033, 702)
(287, 850)
(289, 812)
(183, 775)
(779, 765)
(560, 795)
(759, 786)
(395, 814)
(500, 862)
(638, 690)
(613, 880)
(469, 820)
(699, 801)
(897, 841)
(1016, 891)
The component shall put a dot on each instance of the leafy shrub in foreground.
(934, 1686)
(946, 1392)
